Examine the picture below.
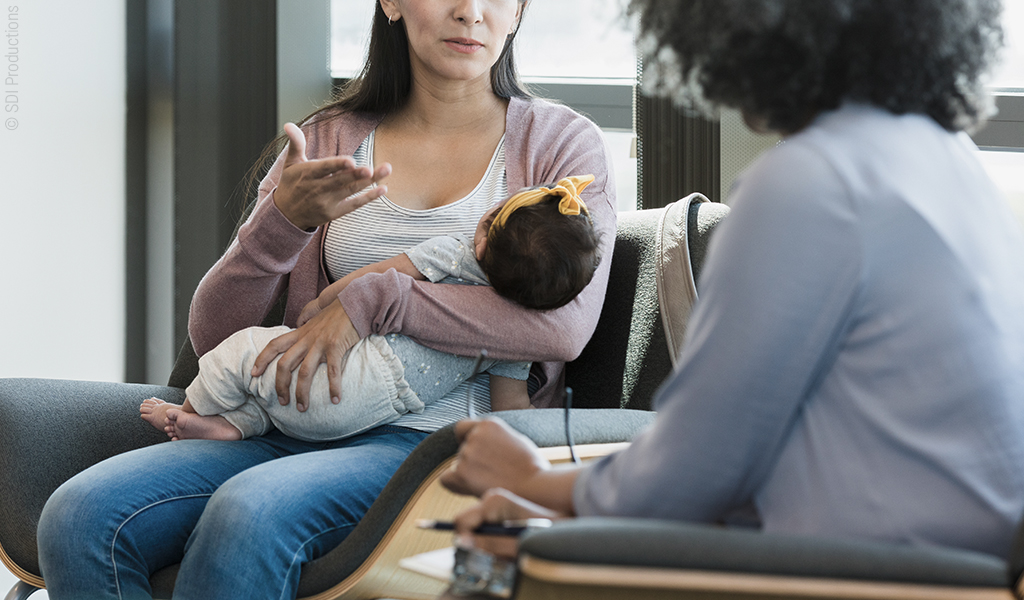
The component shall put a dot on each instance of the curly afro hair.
(782, 62)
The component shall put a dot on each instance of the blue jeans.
(241, 517)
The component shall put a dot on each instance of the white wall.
(62, 189)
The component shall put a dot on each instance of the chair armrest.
(52, 429)
(546, 426)
(669, 545)
(415, 485)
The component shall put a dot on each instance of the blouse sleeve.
(447, 256)
(782, 276)
(464, 319)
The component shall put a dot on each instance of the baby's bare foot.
(154, 412)
(190, 426)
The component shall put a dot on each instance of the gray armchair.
(642, 322)
(619, 559)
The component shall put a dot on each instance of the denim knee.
(74, 539)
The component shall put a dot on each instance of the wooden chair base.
(381, 576)
(542, 579)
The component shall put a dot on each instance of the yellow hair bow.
(568, 189)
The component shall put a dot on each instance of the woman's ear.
(391, 9)
(519, 16)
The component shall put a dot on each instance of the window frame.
(1005, 131)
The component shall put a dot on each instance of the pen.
(514, 527)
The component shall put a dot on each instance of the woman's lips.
(463, 45)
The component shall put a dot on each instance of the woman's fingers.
(495, 506)
(296, 145)
(345, 337)
(310, 310)
(358, 200)
(463, 427)
(329, 169)
(304, 379)
(289, 361)
(326, 338)
(335, 367)
(276, 346)
(492, 454)
(315, 192)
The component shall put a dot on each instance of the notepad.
(436, 563)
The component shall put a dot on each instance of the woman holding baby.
(440, 127)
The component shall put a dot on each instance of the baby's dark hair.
(541, 258)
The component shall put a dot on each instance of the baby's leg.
(180, 422)
(154, 411)
(221, 390)
(185, 425)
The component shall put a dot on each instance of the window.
(576, 40)
(1005, 169)
(579, 53)
(1002, 140)
(1010, 74)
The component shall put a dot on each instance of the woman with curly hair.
(855, 364)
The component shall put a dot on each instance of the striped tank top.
(382, 229)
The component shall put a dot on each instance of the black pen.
(514, 527)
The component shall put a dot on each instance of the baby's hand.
(309, 311)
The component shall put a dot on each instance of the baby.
(539, 249)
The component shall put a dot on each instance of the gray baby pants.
(373, 390)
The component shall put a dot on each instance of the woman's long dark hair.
(384, 83)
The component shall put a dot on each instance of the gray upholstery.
(627, 358)
(52, 429)
(674, 545)
(621, 367)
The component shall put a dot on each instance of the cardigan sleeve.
(243, 285)
(270, 253)
(462, 319)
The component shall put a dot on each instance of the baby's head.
(540, 248)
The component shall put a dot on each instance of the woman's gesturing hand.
(313, 192)
(326, 338)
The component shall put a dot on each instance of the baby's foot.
(190, 426)
(154, 412)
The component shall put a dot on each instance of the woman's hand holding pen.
(512, 478)
(313, 192)
(496, 506)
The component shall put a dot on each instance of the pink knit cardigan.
(543, 143)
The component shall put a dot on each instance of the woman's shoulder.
(539, 115)
(545, 141)
(335, 132)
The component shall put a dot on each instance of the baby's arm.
(400, 263)
(508, 394)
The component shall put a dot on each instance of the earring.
(390, 22)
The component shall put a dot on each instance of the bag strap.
(677, 289)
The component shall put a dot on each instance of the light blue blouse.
(855, 364)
